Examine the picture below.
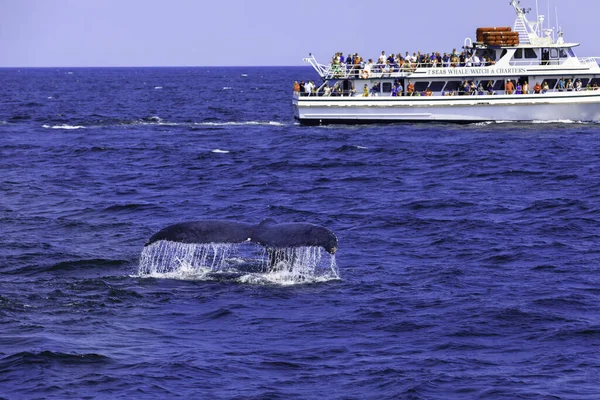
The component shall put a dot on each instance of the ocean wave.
(219, 151)
(242, 123)
(27, 358)
(158, 121)
(65, 126)
(537, 122)
(129, 207)
(86, 264)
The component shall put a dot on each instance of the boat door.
(347, 87)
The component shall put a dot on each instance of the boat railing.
(360, 71)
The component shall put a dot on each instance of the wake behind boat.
(523, 73)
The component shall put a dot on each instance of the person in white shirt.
(308, 87)
(382, 58)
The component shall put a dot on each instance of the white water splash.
(67, 127)
(245, 123)
(554, 121)
(244, 263)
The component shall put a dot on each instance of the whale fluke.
(269, 233)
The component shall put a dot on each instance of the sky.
(86, 33)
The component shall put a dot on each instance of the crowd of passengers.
(387, 64)
(466, 88)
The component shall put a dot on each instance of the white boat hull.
(574, 106)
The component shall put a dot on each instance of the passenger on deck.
(510, 87)
(386, 70)
(537, 88)
(446, 60)
(519, 88)
(526, 88)
(454, 61)
(570, 85)
(296, 87)
(382, 58)
(349, 60)
(366, 91)
(375, 89)
(308, 88)
(469, 60)
(467, 88)
(480, 90)
(545, 87)
(578, 85)
(410, 89)
(473, 88)
(490, 87)
(561, 85)
(595, 86)
(366, 73)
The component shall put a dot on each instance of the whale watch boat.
(523, 73)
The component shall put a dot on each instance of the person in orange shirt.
(296, 87)
(510, 88)
(537, 88)
(410, 88)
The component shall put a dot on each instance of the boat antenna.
(560, 39)
(550, 17)
(537, 15)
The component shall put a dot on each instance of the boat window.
(553, 53)
(437, 86)
(551, 83)
(518, 53)
(386, 87)
(421, 86)
(571, 53)
(347, 87)
(452, 85)
(595, 81)
(584, 81)
(545, 57)
(499, 84)
(503, 53)
(562, 53)
(530, 53)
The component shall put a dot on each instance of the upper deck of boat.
(527, 48)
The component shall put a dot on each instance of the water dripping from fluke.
(238, 262)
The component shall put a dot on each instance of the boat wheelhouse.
(519, 73)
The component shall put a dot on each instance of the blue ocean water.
(468, 263)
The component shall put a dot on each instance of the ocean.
(468, 264)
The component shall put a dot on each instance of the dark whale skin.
(268, 233)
